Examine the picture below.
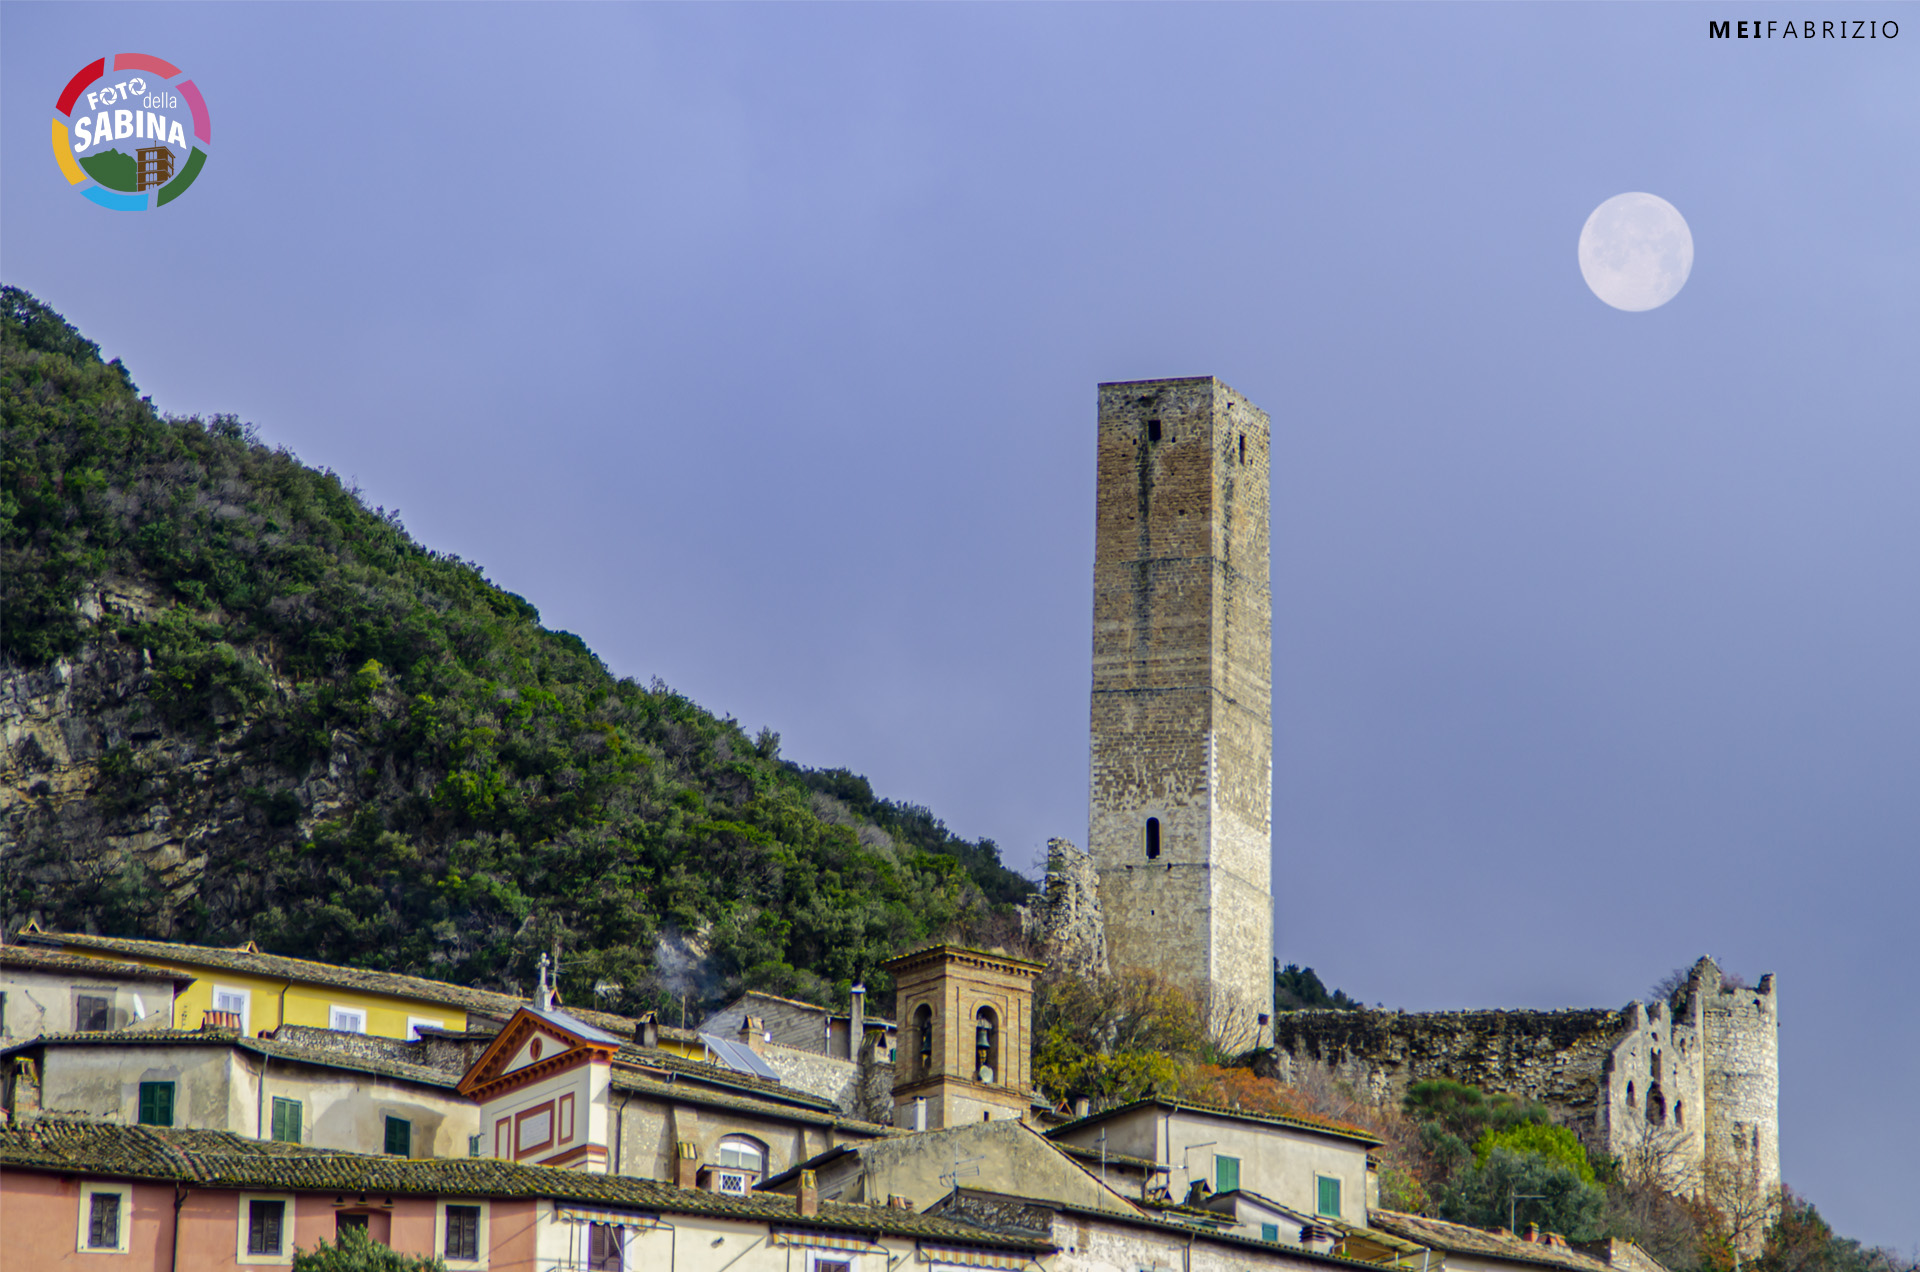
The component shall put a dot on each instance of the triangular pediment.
(533, 1044)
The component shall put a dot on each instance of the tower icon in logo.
(143, 99)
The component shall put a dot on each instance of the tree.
(1514, 1187)
(355, 1251)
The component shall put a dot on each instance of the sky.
(758, 346)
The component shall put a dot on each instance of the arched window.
(1656, 1105)
(1679, 1112)
(1153, 838)
(1629, 1095)
(741, 1152)
(923, 1036)
(986, 1046)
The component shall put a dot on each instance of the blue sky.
(757, 345)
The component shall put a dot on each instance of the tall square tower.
(1182, 794)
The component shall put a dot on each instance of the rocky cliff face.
(111, 809)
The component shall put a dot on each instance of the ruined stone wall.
(1556, 1057)
(1066, 922)
(1742, 1062)
(1182, 667)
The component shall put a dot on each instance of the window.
(414, 1024)
(604, 1248)
(473, 1146)
(737, 1152)
(923, 1032)
(463, 1232)
(1328, 1203)
(819, 1262)
(265, 1224)
(1243, 448)
(341, 1222)
(92, 1013)
(1153, 838)
(1153, 430)
(103, 1221)
(156, 1104)
(348, 1020)
(1679, 1112)
(1269, 1232)
(231, 1000)
(286, 1120)
(1226, 1173)
(986, 1046)
(399, 1137)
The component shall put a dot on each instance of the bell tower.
(1181, 806)
(965, 1048)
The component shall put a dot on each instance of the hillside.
(240, 704)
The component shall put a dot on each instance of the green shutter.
(156, 1104)
(399, 1137)
(286, 1120)
(1329, 1197)
(1269, 1232)
(1226, 1173)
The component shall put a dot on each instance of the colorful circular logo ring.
(146, 104)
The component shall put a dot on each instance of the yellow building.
(266, 991)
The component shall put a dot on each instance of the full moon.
(1636, 251)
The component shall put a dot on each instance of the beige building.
(1180, 824)
(216, 1080)
(46, 991)
(1310, 1167)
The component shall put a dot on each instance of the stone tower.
(965, 1047)
(1181, 804)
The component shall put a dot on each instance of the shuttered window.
(156, 1104)
(286, 1120)
(1269, 1232)
(1226, 1173)
(1329, 1201)
(399, 1137)
(463, 1232)
(103, 1221)
(265, 1222)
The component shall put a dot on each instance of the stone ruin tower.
(1180, 825)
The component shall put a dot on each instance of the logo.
(123, 138)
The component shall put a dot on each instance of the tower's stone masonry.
(1182, 784)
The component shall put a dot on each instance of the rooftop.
(1462, 1239)
(322, 1058)
(38, 959)
(221, 1159)
(1319, 1126)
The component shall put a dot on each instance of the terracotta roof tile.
(1323, 1126)
(417, 1073)
(219, 1158)
(36, 958)
(1442, 1235)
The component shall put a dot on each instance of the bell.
(983, 1036)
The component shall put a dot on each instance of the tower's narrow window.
(986, 1046)
(1153, 429)
(1153, 838)
(1656, 1105)
(1679, 1112)
(1243, 448)
(923, 1033)
(1629, 1095)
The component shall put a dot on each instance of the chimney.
(753, 1033)
(809, 1194)
(896, 1202)
(1533, 1232)
(649, 1030)
(857, 1028)
(920, 1113)
(1083, 1107)
(686, 1164)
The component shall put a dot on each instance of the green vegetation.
(489, 788)
(113, 170)
(1297, 988)
(353, 1250)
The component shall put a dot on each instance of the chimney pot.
(809, 1194)
(686, 1165)
(1533, 1232)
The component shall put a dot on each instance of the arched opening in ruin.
(1630, 1099)
(923, 1035)
(1679, 1112)
(1656, 1105)
(1153, 838)
(1653, 1067)
(986, 1046)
